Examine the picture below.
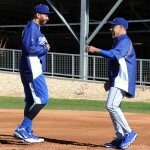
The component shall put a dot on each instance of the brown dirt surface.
(71, 130)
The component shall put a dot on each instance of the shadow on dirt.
(65, 142)
(10, 139)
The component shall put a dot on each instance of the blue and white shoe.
(128, 139)
(113, 144)
(38, 139)
(23, 134)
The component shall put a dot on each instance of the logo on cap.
(119, 21)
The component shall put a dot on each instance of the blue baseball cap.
(42, 9)
(119, 21)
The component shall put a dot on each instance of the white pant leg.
(113, 104)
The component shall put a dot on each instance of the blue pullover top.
(122, 65)
(34, 49)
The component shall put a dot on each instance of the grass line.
(69, 104)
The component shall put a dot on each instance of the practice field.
(71, 130)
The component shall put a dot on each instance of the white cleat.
(37, 139)
(23, 134)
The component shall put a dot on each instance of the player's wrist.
(97, 50)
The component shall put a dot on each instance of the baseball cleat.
(113, 144)
(23, 134)
(128, 139)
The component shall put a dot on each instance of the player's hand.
(92, 49)
(48, 46)
(106, 86)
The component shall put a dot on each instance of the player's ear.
(38, 15)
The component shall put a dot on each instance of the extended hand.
(48, 46)
(92, 49)
(106, 86)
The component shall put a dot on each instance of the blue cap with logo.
(119, 21)
(41, 8)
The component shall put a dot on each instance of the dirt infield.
(71, 130)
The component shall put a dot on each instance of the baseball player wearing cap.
(122, 75)
(32, 64)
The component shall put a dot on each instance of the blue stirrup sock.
(27, 124)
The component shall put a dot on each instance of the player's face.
(43, 18)
(116, 30)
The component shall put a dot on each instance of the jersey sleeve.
(107, 54)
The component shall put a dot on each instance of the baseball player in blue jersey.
(121, 83)
(32, 64)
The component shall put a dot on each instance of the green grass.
(68, 104)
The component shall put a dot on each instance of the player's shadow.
(66, 142)
(9, 139)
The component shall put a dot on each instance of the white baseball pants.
(113, 105)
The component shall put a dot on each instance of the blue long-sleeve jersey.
(34, 49)
(122, 64)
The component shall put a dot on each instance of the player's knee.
(41, 100)
(44, 100)
(109, 107)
